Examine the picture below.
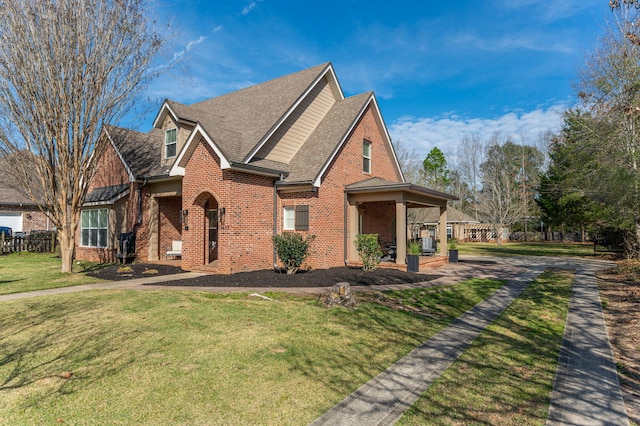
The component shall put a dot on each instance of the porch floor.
(426, 263)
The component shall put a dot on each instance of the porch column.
(351, 232)
(152, 253)
(442, 226)
(401, 232)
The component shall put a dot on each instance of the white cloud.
(423, 134)
(248, 8)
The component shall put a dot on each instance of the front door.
(212, 215)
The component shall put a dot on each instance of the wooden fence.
(36, 242)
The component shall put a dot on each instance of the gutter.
(275, 220)
(139, 215)
(256, 170)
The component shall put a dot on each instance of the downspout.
(139, 215)
(275, 220)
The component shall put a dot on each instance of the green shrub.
(453, 244)
(414, 247)
(292, 249)
(369, 251)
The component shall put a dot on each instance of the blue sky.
(440, 70)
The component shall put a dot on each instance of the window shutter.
(302, 218)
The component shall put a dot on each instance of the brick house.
(20, 213)
(224, 175)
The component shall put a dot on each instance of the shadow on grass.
(10, 281)
(40, 348)
(397, 321)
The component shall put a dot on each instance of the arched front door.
(211, 230)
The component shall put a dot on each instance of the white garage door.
(12, 220)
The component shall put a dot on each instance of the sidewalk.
(98, 286)
(586, 389)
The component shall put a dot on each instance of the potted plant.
(453, 251)
(414, 249)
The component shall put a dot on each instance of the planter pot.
(453, 256)
(413, 263)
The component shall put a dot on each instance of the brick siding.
(326, 206)
(244, 234)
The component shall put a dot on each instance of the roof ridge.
(257, 85)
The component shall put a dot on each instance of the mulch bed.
(132, 271)
(266, 278)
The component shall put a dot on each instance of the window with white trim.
(296, 218)
(289, 218)
(366, 156)
(170, 143)
(449, 232)
(94, 227)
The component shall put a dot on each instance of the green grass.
(527, 249)
(21, 272)
(506, 376)
(169, 357)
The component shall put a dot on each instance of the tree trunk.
(67, 248)
(499, 235)
(636, 223)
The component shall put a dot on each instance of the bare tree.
(67, 68)
(470, 155)
(409, 162)
(507, 169)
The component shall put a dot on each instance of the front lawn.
(172, 357)
(21, 272)
(527, 249)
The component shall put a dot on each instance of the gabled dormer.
(176, 130)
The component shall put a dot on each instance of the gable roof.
(13, 197)
(11, 191)
(238, 124)
(432, 216)
(139, 152)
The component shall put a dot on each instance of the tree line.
(584, 177)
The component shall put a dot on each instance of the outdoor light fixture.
(221, 212)
(184, 218)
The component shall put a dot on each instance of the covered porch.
(377, 206)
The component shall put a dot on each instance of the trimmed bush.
(292, 249)
(369, 251)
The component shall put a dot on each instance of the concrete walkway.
(586, 390)
(99, 286)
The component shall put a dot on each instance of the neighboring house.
(20, 213)
(460, 226)
(224, 175)
(425, 222)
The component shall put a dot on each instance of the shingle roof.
(140, 151)
(13, 197)
(107, 194)
(432, 216)
(238, 122)
(10, 194)
(256, 110)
